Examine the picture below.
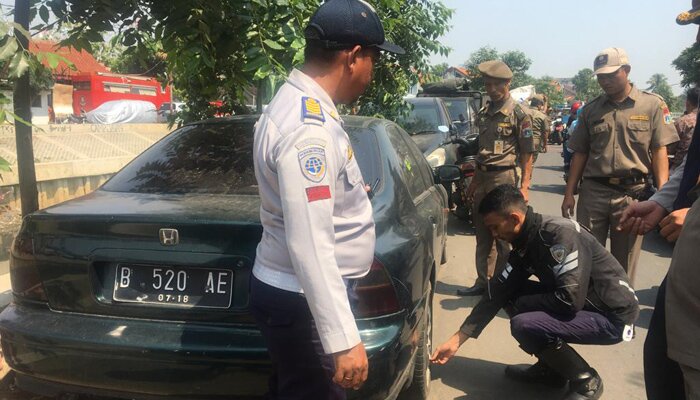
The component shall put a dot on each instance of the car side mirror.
(448, 173)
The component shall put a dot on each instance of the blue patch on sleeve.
(311, 109)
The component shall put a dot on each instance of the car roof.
(354, 121)
(422, 100)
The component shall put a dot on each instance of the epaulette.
(311, 111)
(518, 109)
(653, 94)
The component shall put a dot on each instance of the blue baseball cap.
(340, 24)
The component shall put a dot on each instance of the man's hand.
(544, 148)
(526, 193)
(641, 217)
(351, 367)
(673, 223)
(447, 350)
(567, 205)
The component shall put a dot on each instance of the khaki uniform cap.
(610, 60)
(496, 69)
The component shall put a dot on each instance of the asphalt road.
(476, 373)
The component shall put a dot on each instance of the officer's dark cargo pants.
(301, 370)
(535, 330)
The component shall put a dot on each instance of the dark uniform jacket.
(575, 271)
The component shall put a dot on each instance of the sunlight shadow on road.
(485, 380)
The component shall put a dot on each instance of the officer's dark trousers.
(301, 370)
(535, 330)
(662, 376)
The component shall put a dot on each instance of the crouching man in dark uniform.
(582, 296)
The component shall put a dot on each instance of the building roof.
(83, 61)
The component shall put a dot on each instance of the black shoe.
(538, 373)
(475, 290)
(590, 388)
(584, 381)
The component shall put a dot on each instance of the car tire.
(420, 385)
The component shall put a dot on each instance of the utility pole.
(23, 133)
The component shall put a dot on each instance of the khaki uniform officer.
(505, 137)
(540, 125)
(620, 139)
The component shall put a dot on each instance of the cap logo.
(601, 60)
(364, 14)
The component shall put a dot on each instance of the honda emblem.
(169, 237)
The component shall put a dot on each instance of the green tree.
(688, 64)
(587, 87)
(516, 60)
(658, 83)
(548, 86)
(218, 49)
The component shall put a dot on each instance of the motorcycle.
(467, 151)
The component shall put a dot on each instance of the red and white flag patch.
(316, 193)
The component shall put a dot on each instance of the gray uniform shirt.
(318, 229)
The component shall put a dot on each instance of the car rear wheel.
(420, 386)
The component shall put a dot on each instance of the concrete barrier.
(74, 159)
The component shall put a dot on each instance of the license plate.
(174, 286)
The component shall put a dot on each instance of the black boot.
(584, 381)
(538, 373)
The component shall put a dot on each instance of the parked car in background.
(462, 104)
(429, 124)
(140, 289)
(167, 109)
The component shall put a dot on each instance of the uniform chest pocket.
(600, 137)
(353, 173)
(639, 131)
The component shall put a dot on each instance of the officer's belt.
(627, 181)
(494, 168)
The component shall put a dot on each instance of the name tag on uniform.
(498, 147)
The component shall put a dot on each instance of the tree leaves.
(19, 64)
(9, 48)
(220, 49)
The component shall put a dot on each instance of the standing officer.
(318, 230)
(540, 124)
(505, 136)
(581, 296)
(620, 138)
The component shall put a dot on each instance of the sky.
(563, 37)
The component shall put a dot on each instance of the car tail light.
(375, 293)
(26, 282)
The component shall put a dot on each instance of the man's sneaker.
(590, 388)
(538, 373)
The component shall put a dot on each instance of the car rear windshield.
(214, 159)
(206, 158)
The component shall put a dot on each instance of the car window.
(205, 158)
(458, 108)
(366, 150)
(413, 176)
(423, 117)
(217, 159)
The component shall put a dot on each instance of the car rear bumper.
(53, 352)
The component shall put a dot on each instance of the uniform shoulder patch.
(312, 160)
(311, 109)
(666, 112)
(558, 252)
